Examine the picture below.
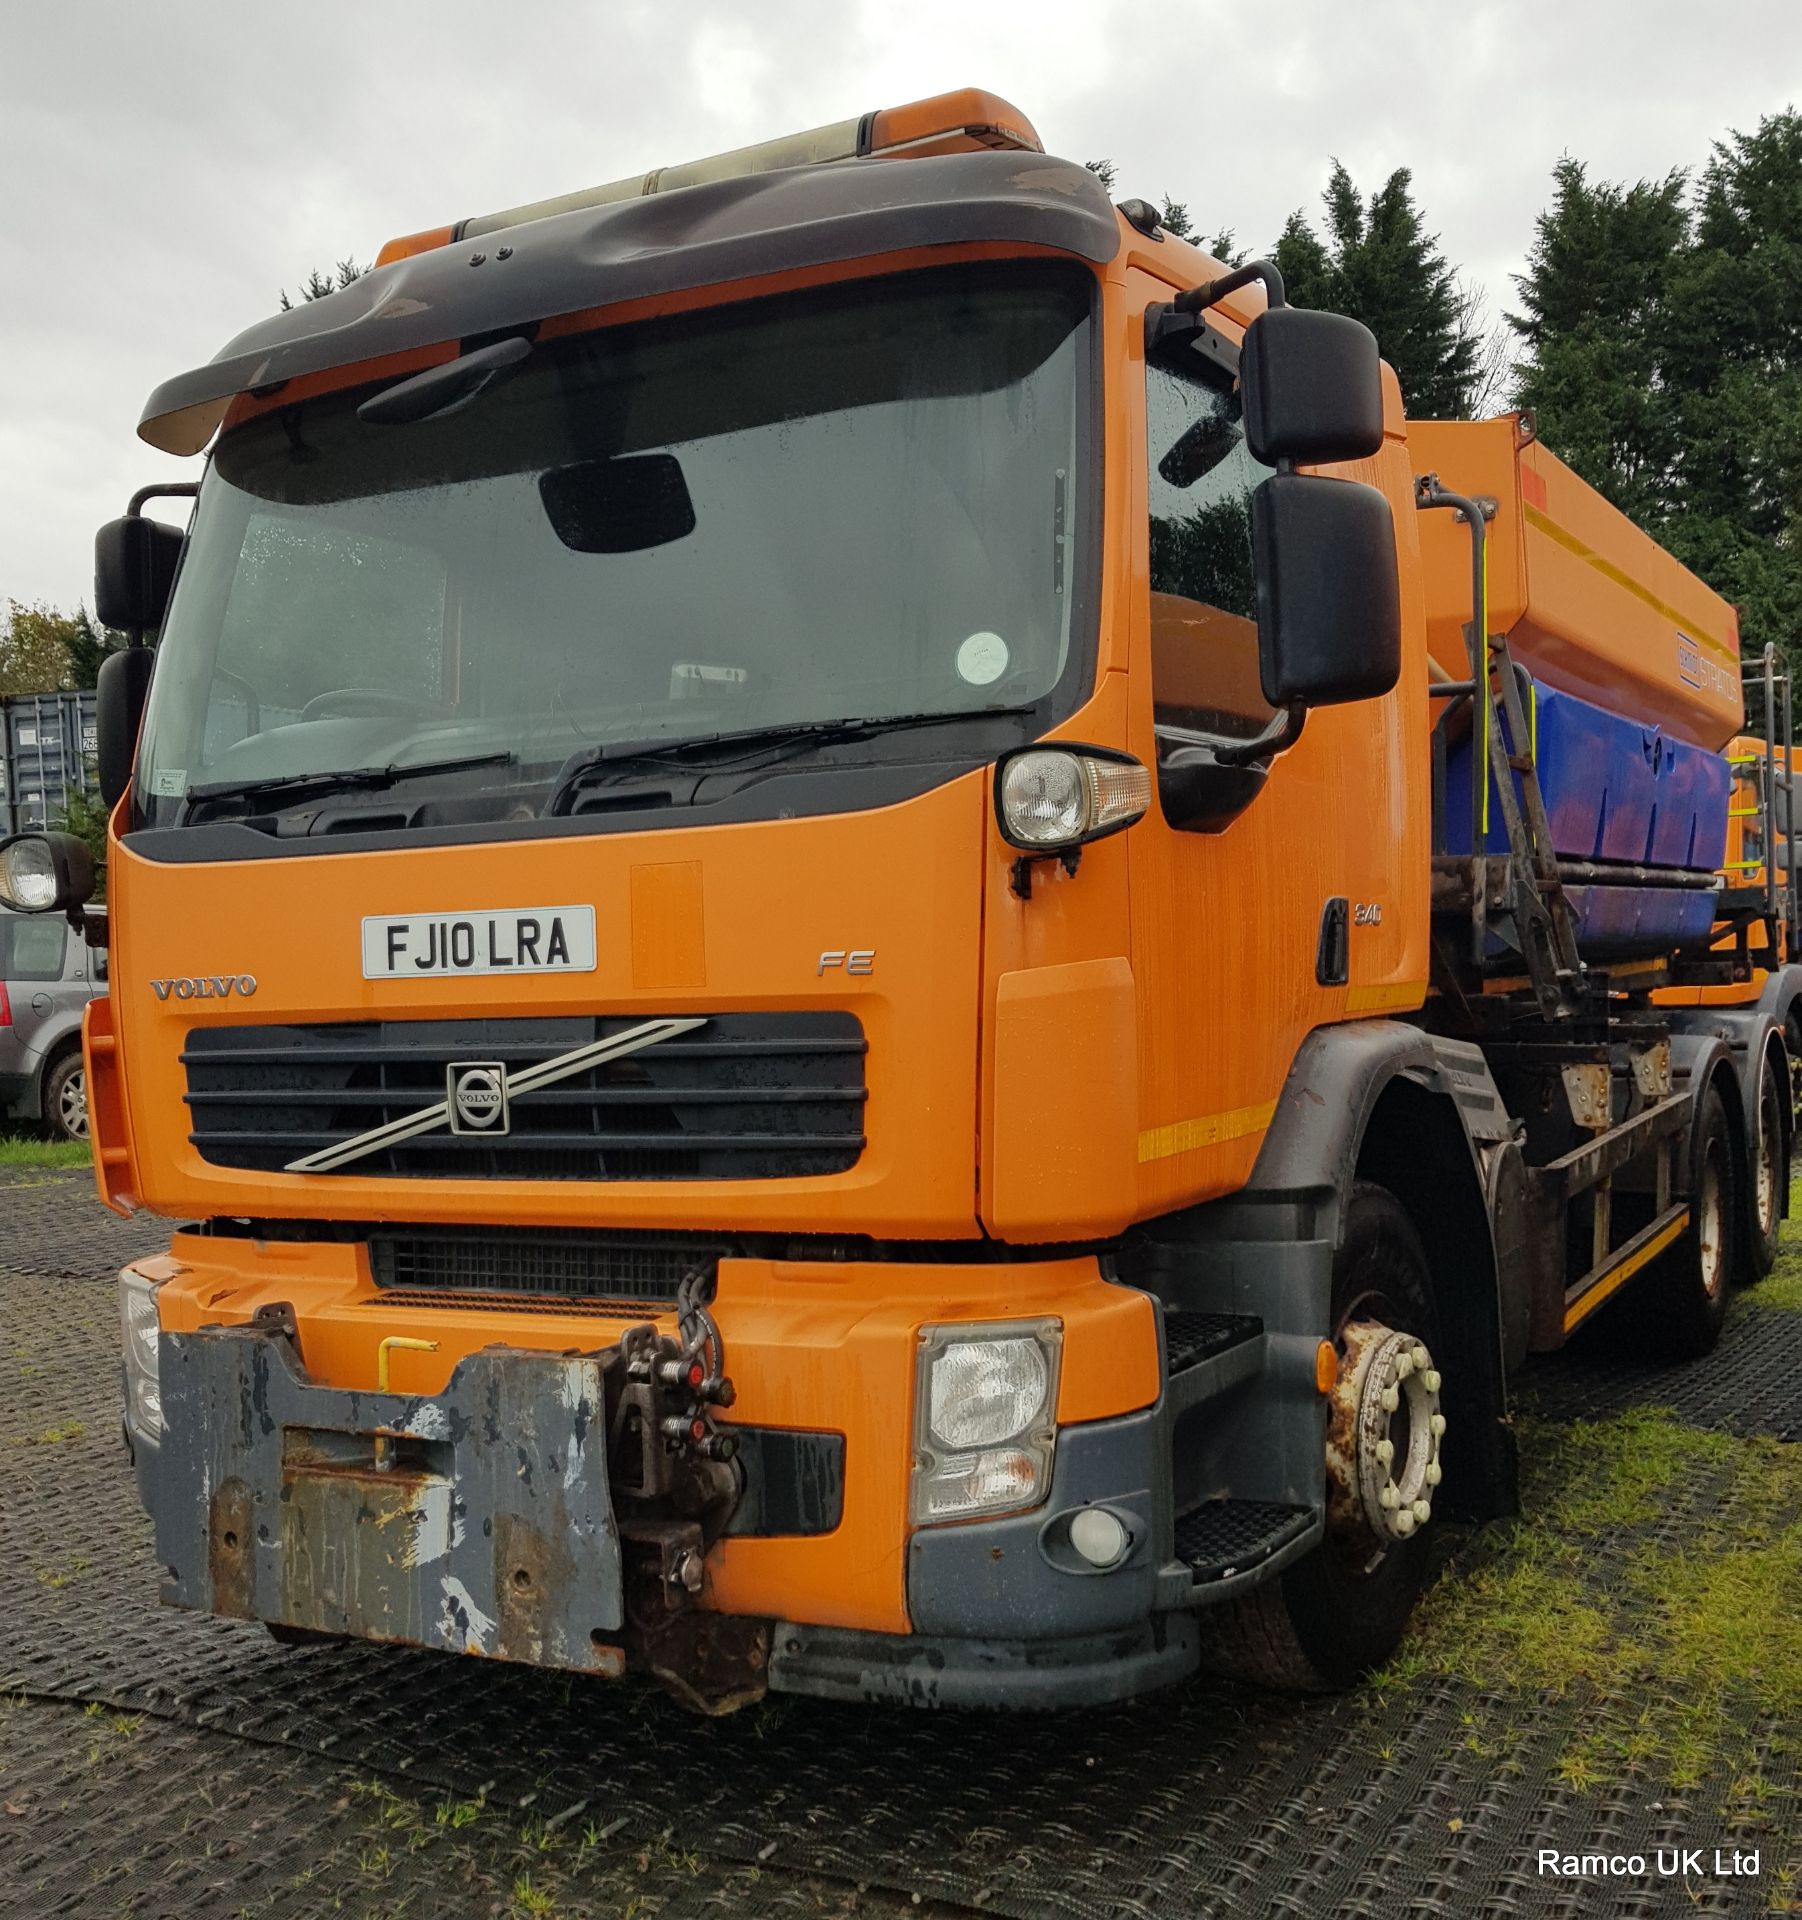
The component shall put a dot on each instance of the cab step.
(1221, 1538)
(1206, 1354)
(1189, 1337)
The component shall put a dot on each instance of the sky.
(165, 172)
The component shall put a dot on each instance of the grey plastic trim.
(839, 1663)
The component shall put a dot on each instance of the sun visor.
(723, 230)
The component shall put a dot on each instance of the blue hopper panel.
(1615, 789)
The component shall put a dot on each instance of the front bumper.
(269, 1501)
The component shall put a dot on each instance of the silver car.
(48, 974)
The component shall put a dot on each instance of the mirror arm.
(1211, 292)
(162, 490)
(1282, 732)
(1178, 322)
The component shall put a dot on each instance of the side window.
(32, 949)
(1204, 635)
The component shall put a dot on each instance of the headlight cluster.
(1048, 799)
(143, 1380)
(28, 874)
(985, 1421)
(39, 871)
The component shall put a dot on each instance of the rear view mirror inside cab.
(624, 505)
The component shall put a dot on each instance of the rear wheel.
(1333, 1616)
(66, 1099)
(1769, 1176)
(1688, 1295)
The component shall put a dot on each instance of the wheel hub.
(1384, 1427)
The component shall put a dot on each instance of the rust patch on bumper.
(230, 1518)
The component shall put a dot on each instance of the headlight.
(1050, 798)
(143, 1382)
(39, 871)
(985, 1421)
(28, 875)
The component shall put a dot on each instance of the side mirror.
(134, 568)
(120, 691)
(45, 873)
(1312, 388)
(1329, 601)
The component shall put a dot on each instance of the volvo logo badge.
(476, 1093)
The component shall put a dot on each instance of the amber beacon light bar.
(957, 122)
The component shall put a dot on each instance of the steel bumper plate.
(490, 1529)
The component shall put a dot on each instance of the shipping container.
(46, 754)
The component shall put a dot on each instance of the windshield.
(857, 504)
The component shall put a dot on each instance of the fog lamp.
(1048, 799)
(985, 1421)
(1099, 1536)
(143, 1380)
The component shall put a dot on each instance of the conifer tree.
(1378, 263)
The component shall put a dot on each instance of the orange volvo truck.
(880, 949)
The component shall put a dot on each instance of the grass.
(52, 1436)
(18, 1151)
(54, 1577)
(1675, 1657)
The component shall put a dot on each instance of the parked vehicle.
(885, 949)
(48, 974)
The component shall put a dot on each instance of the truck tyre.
(1326, 1621)
(1768, 1172)
(1688, 1296)
(66, 1098)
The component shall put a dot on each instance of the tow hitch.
(675, 1482)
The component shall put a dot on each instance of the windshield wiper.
(293, 786)
(782, 738)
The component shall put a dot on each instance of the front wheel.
(66, 1099)
(1328, 1620)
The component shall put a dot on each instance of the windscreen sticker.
(982, 659)
(169, 782)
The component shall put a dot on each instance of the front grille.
(556, 1263)
(747, 1096)
(425, 1300)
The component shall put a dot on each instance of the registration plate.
(411, 946)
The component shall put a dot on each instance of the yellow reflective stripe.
(1609, 571)
(1210, 1130)
(1581, 1308)
(1487, 710)
(1403, 993)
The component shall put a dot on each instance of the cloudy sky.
(164, 172)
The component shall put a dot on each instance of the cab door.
(1266, 900)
